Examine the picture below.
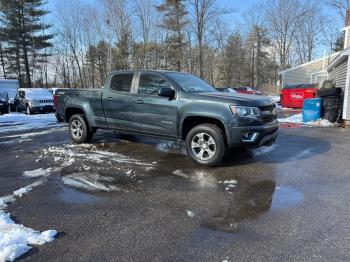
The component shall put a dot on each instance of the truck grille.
(268, 113)
(45, 101)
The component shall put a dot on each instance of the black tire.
(331, 114)
(331, 101)
(79, 129)
(209, 130)
(324, 92)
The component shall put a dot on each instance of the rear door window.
(122, 82)
(150, 83)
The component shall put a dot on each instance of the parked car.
(4, 107)
(9, 86)
(246, 90)
(170, 105)
(34, 100)
(225, 89)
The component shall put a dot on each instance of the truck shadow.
(288, 148)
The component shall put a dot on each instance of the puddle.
(72, 196)
(286, 197)
(247, 201)
(210, 239)
(171, 147)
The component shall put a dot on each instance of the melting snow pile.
(81, 166)
(298, 119)
(89, 181)
(15, 239)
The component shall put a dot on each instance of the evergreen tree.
(234, 65)
(24, 35)
(258, 45)
(174, 22)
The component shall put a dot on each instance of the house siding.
(338, 74)
(303, 74)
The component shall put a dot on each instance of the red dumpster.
(293, 96)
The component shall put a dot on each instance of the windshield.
(190, 83)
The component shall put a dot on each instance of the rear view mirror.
(166, 92)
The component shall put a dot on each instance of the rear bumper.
(253, 136)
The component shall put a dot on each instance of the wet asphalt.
(290, 203)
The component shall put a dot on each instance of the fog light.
(249, 136)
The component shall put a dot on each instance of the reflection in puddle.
(72, 196)
(286, 197)
(249, 200)
(171, 147)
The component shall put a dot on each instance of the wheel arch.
(191, 121)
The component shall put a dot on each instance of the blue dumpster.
(312, 109)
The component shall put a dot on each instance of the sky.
(237, 5)
(233, 20)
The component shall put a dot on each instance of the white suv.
(34, 100)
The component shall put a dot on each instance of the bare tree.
(308, 34)
(117, 15)
(144, 13)
(283, 18)
(204, 13)
(339, 5)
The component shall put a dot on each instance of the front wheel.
(205, 144)
(79, 129)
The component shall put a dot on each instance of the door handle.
(109, 98)
(138, 101)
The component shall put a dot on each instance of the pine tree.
(234, 65)
(174, 22)
(258, 45)
(25, 37)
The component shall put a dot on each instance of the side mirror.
(166, 92)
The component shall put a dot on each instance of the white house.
(339, 70)
(309, 73)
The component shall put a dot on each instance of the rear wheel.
(79, 129)
(205, 144)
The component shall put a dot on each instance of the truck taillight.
(54, 102)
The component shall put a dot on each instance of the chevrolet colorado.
(170, 105)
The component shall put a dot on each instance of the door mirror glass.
(166, 92)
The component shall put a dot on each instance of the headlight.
(245, 111)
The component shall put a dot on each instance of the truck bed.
(89, 100)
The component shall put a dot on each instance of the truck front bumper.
(253, 136)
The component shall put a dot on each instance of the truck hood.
(239, 99)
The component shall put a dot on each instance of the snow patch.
(232, 181)
(181, 174)
(40, 172)
(298, 119)
(90, 182)
(15, 122)
(15, 239)
(190, 213)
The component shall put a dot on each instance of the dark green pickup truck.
(170, 105)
